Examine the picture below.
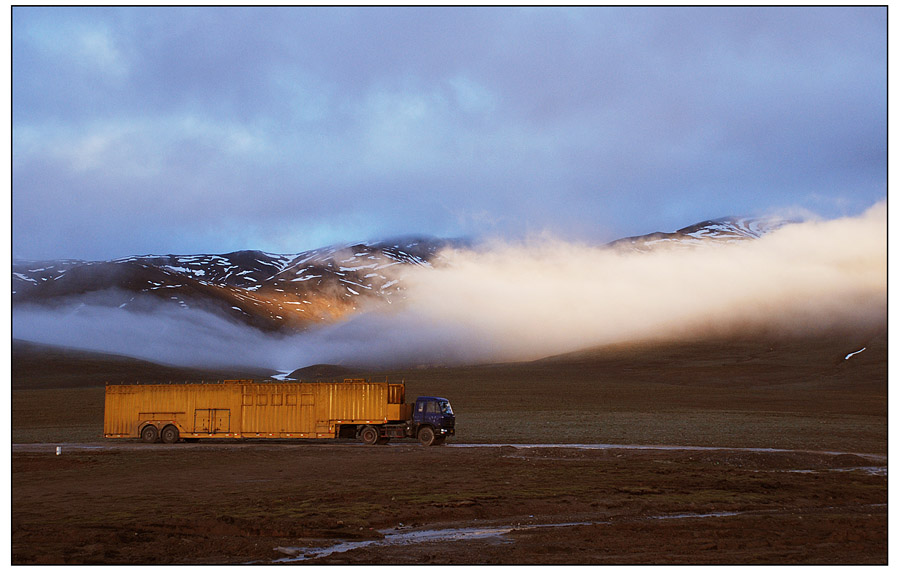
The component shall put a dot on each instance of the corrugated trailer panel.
(357, 402)
(278, 410)
(248, 409)
(126, 407)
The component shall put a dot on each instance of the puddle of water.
(698, 515)
(393, 538)
(870, 470)
(302, 553)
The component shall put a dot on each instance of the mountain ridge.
(289, 292)
(264, 290)
(724, 229)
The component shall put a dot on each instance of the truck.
(369, 411)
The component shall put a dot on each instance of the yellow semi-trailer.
(373, 412)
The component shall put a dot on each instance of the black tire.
(149, 434)
(370, 435)
(426, 436)
(169, 434)
(382, 441)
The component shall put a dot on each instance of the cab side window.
(432, 408)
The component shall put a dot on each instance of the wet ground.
(313, 502)
(502, 533)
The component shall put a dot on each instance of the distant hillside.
(755, 358)
(36, 366)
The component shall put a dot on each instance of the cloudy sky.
(208, 130)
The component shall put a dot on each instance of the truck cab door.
(419, 412)
(428, 412)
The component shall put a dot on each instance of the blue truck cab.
(433, 420)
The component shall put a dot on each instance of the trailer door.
(212, 421)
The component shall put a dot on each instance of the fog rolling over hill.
(443, 303)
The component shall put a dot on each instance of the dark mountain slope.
(266, 291)
(38, 366)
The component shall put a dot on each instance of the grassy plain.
(820, 502)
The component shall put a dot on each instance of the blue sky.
(189, 130)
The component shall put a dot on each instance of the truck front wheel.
(426, 436)
(369, 435)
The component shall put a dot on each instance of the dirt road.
(113, 445)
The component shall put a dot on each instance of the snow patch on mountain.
(724, 230)
(328, 282)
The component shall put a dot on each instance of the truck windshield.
(446, 409)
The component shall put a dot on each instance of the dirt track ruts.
(131, 445)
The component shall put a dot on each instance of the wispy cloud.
(180, 124)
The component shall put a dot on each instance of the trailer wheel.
(426, 436)
(169, 434)
(369, 435)
(149, 434)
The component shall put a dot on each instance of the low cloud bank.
(520, 302)
(526, 301)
